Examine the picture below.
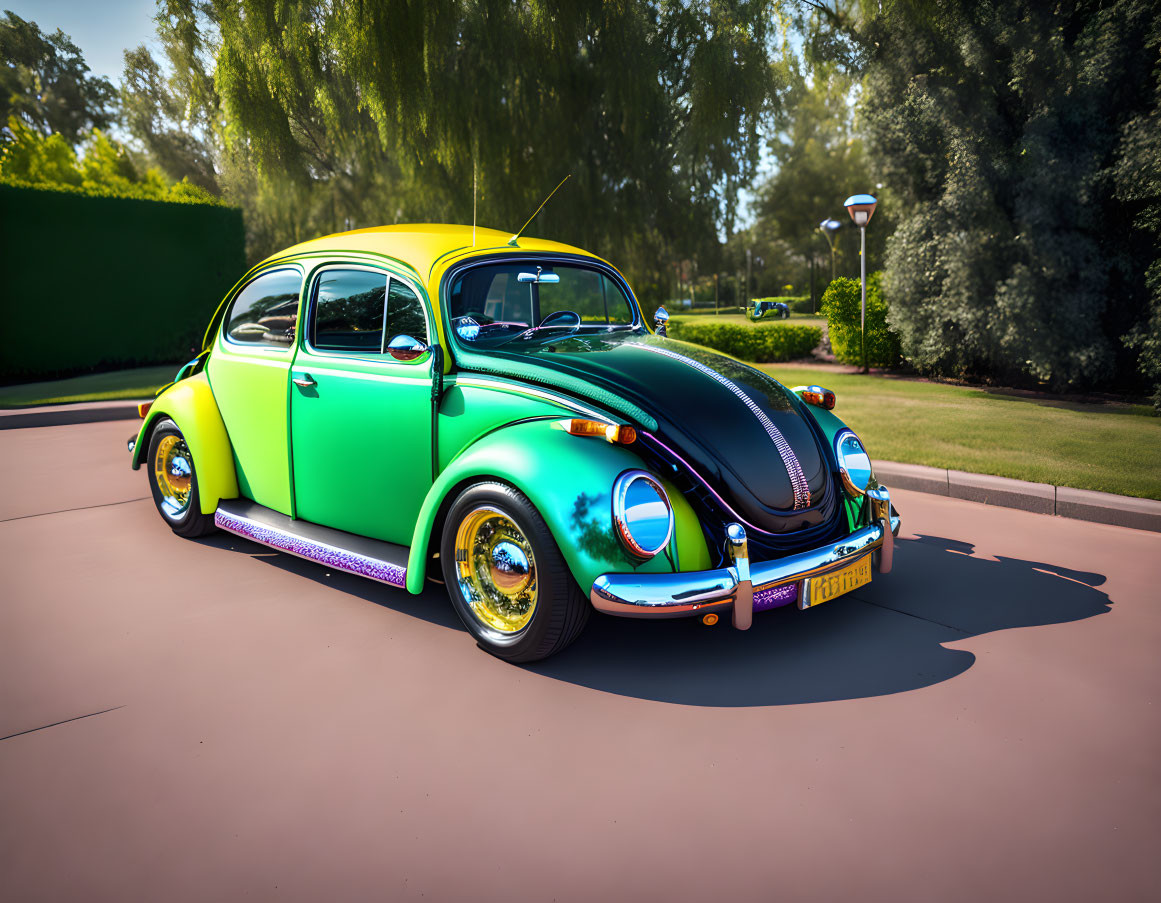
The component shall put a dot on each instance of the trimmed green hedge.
(764, 343)
(94, 283)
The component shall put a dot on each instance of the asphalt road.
(214, 721)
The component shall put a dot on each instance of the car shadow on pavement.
(884, 638)
(432, 606)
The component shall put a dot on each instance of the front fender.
(190, 404)
(569, 479)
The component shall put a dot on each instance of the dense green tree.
(1138, 186)
(1011, 135)
(45, 84)
(378, 112)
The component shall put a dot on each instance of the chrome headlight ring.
(642, 513)
(854, 462)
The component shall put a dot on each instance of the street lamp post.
(829, 228)
(861, 207)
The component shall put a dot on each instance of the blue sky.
(103, 29)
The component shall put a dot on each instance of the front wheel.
(506, 577)
(175, 483)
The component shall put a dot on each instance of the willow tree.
(398, 107)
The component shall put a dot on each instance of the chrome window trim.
(381, 356)
(563, 259)
(224, 336)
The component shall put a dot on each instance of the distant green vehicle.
(766, 308)
(415, 403)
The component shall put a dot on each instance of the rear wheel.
(174, 482)
(506, 577)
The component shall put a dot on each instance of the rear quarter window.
(265, 311)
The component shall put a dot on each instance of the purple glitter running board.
(313, 550)
(775, 596)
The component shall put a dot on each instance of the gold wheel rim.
(496, 570)
(173, 473)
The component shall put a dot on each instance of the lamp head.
(861, 207)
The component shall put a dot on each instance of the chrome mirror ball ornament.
(659, 320)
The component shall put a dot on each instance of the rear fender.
(569, 479)
(190, 404)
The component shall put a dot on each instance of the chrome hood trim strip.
(789, 459)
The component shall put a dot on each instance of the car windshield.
(519, 303)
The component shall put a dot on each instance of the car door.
(248, 372)
(360, 419)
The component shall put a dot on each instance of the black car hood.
(735, 426)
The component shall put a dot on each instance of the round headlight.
(854, 462)
(641, 513)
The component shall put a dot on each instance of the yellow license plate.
(851, 577)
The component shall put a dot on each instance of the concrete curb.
(1041, 498)
(65, 414)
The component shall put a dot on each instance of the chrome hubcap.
(173, 473)
(496, 570)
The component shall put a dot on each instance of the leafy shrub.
(764, 344)
(841, 305)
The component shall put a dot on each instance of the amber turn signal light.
(143, 408)
(613, 432)
(816, 395)
(709, 619)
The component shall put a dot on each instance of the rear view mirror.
(538, 276)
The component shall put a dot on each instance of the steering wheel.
(562, 315)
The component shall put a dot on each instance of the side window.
(405, 313)
(348, 311)
(265, 312)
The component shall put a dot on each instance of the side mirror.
(405, 348)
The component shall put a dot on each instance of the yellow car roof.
(422, 245)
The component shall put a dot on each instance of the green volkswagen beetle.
(437, 402)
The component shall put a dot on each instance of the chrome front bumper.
(746, 585)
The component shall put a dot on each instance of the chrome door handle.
(306, 381)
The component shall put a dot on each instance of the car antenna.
(512, 240)
(473, 200)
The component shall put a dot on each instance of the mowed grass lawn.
(742, 320)
(139, 383)
(1107, 447)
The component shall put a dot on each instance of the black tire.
(189, 521)
(561, 610)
